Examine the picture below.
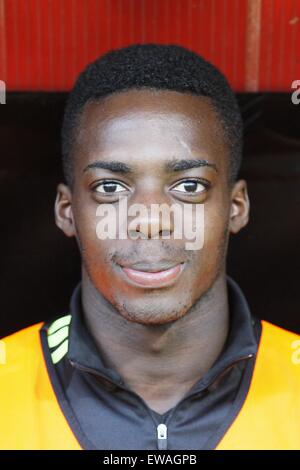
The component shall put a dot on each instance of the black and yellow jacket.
(55, 392)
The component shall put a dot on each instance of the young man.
(159, 349)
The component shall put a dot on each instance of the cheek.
(86, 225)
(93, 249)
(214, 228)
(96, 249)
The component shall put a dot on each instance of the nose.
(153, 220)
(150, 226)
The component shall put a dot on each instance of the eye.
(110, 187)
(190, 186)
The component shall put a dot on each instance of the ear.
(240, 207)
(63, 210)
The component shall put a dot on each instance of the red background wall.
(45, 43)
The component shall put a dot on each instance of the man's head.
(154, 124)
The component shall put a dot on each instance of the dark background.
(40, 266)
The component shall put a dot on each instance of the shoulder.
(23, 349)
(276, 333)
(19, 348)
(280, 346)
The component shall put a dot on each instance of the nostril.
(135, 234)
(165, 233)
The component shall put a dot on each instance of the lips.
(159, 275)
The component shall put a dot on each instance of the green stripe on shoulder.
(57, 337)
(60, 352)
(59, 323)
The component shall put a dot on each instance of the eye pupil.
(190, 186)
(109, 187)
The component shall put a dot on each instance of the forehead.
(139, 124)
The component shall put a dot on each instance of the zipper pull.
(162, 437)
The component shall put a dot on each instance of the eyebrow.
(172, 165)
(181, 165)
(114, 166)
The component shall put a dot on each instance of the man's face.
(146, 140)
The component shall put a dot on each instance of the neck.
(160, 363)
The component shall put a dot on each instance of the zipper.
(162, 442)
(161, 429)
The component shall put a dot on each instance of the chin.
(152, 312)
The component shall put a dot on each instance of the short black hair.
(158, 66)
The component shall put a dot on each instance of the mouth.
(152, 276)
